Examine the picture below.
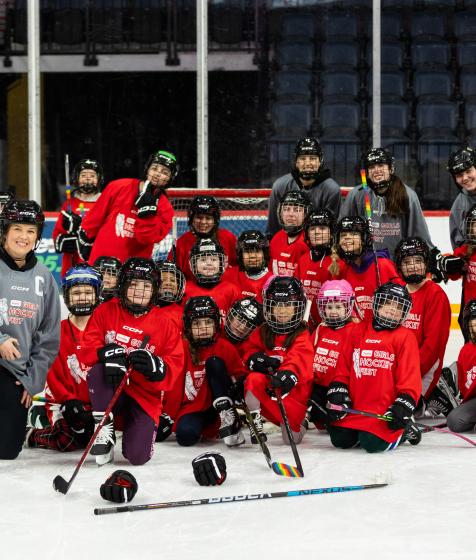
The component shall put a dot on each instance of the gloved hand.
(114, 359)
(262, 363)
(85, 244)
(71, 221)
(209, 469)
(338, 393)
(401, 412)
(152, 367)
(66, 243)
(452, 265)
(284, 380)
(146, 202)
(75, 414)
(164, 429)
(120, 487)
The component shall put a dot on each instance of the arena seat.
(339, 86)
(293, 85)
(340, 55)
(433, 85)
(430, 56)
(291, 118)
(340, 26)
(295, 55)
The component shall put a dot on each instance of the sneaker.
(230, 425)
(412, 434)
(438, 403)
(258, 424)
(103, 446)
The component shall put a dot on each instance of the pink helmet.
(335, 291)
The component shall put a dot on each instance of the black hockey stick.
(239, 498)
(297, 470)
(59, 483)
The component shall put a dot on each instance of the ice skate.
(103, 446)
(258, 424)
(230, 425)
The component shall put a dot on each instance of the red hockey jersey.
(186, 241)
(377, 366)
(469, 277)
(430, 320)
(467, 371)
(285, 254)
(224, 294)
(174, 312)
(247, 287)
(110, 323)
(115, 227)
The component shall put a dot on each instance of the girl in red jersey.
(86, 182)
(365, 269)
(287, 245)
(429, 319)
(171, 291)
(68, 407)
(463, 417)
(334, 302)
(378, 372)
(279, 356)
(109, 267)
(252, 271)
(112, 343)
(203, 220)
(131, 215)
(200, 398)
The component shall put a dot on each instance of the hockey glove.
(262, 363)
(209, 469)
(284, 380)
(71, 222)
(85, 244)
(401, 412)
(236, 392)
(120, 487)
(66, 243)
(146, 202)
(338, 393)
(452, 265)
(437, 273)
(152, 367)
(164, 429)
(114, 359)
(76, 416)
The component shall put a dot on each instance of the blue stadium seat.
(294, 85)
(340, 25)
(391, 26)
(297, 25)
(342, 55)
(226, 23)
(295, 55)
(339, 86)
(468, 85)
(466, 55)
(339, 121)
(428, 26)
(431, 56)
(392, 85)
(433, 85)
(465, 26)
(342, 156)
(291, 119)
(391, 56)
(397, 4)
(436, 121)
(394, 120)
(470, 118)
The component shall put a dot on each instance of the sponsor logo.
(20, 288)
(15, 303)
(132, 329)
(122, 338)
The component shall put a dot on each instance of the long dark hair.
(396, 198)
(268, 336)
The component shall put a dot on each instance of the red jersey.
(224, 294)
(110, 323)
(469, 277)
(66, 378)
(284, 254)
(115, 227)
(70, 259)
(467, 371)
(327, 347)
(174, 312)
(430, 320)
(247, 286)
(186, 241)
(377, 366)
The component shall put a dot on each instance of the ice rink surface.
(427, 511)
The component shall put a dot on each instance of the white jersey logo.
(190, 391)
(110, 337)
(120, 219)
(3, 312)
(355, 360)
(75, 368)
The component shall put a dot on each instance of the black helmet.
(137, 268)
(207, 248)
(320, 217)
(374, 156)
(390, 293)
(294, 198)
(252, 240)
(22, 212)
(242, 319)
(469, 233)
(166, 159)
(354, 224)
(283, 291)
(208, 206)
(460, 161)
(308, 146)
(93, 165)
(411, 247)
(469, 312)
(200, 307)
(81, 274)
(108, 266)
(170, 292)
(5, 196)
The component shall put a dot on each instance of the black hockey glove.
(76, 416)
(317, 404)
(209, 469)
(152, 367)
(401, 412)
(164, 429)
(146, 202)
(434, 267)
(120, 487)
(263, 363)
(66, 243)
(71, 221)
(85, 244)
(284, 380)
(452, 265)
(338, 393)
(114, 359)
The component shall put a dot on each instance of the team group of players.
(334, 308)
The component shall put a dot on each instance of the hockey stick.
(368, 212)
(422, 427)
(68, 186)
(59, 483)
(239, 498)
(297, 470)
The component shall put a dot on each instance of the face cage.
(318, 246)
(413, 278)
(202, 279)
(470, 230)
(385, 322)
(204, 342)
(245, 323)
(169, 296)
(350, 256)
(292, 229)
(137, 308)
(280, 327)
(335, 321)
(250, 269)
(80, 309)
(470, 333)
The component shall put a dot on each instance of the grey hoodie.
(29, 312)
(463, 202)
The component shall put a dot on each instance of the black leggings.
(13, 416)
